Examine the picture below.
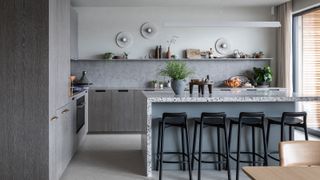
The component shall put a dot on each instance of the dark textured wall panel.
(24, 89)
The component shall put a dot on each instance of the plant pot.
(263, 85)
(178, 86)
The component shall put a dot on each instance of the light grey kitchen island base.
(232, 103)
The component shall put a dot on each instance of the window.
(306, 38)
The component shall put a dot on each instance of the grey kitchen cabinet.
(100, 111)
(59, 54)
(68, 134)
(64, 139)
(59, 72)
(123, 110)
(138, 109)
(113, 111)
(53, 172)
(62, 53)
(73, 34)
(61, 144)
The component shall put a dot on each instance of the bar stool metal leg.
(219, 157)
(227, 151)
(158, 148)
(194, 144)
(282, 132)
(188, 151)
(305, 131)
(161, 149)
(183, 151)
(230, 135)
(290, 133)
(200, 151)
(265, 147)
(253, 147)
(238, 150)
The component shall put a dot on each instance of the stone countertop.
(131, 88)
(229, 96)
(195, 89)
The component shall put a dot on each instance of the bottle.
(211, 54)
(156, 53)
(168, 53)
(160, 52)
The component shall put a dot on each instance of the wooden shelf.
(216, 59)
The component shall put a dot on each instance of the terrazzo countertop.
(130, 88)
(229, 96)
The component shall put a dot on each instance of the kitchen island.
(232, 102)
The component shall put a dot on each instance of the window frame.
(295, 45)
(297, 66)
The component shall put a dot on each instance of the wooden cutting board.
(193, 54)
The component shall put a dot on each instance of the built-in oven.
(81, 113)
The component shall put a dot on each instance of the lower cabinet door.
(59, 142)
(64, 137)
(68, 135)
(53, 174)
(100, 110)
(123, 110)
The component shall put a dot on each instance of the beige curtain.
(284, 50)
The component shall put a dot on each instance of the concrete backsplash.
(134, 73)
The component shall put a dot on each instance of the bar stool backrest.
(259, 115)
(302, 115)
(299, 153)
(213, 116)
(176, 116)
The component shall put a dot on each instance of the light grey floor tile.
(118, 157)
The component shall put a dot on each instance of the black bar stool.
(174, 120)
(291, 119)
(253, 120)
(217, 120)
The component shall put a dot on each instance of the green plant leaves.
(262, 75)
(176, 70)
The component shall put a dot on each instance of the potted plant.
(154, 84)
(177, 71)
(262, 76)
(108, 55)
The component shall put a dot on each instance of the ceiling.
(147, 3)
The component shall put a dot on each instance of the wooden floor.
(118, 157)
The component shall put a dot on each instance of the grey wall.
(133, 73)
(300, 5)
(98, 27)
(24, 92)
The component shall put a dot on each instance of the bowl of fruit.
(233, 82)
